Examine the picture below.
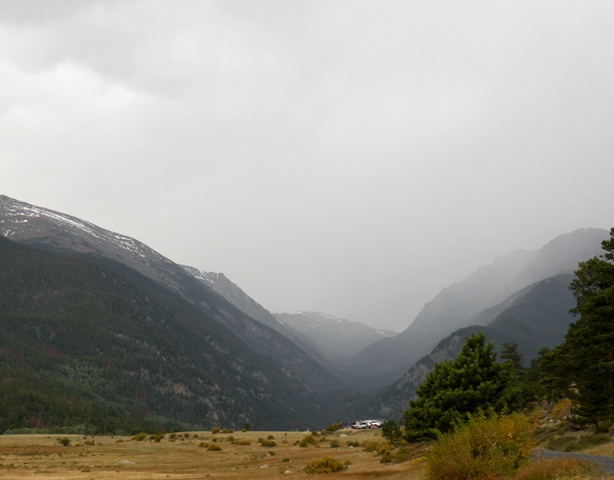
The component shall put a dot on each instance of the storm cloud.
(351, 157)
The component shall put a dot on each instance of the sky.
(344, 156)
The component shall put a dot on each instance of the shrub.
(140, 437)
(333, 427)
(64, 441)
(392, 455)
(268, 443)
(483, 448)
(334, 443)
(370, 446)
(213, 447)
(156, 437)
(215, 430)
(306, 441)
(325, 465)
(353, 443)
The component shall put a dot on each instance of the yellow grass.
(605, 450)
(40, 457)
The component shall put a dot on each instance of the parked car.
(360, 425)
(374, 423)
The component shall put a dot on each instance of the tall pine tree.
(590, 339)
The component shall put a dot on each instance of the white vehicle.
(360, 425)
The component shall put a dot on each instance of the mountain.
(112, 324)
(535, 317)
(336, 338)
(458, 305)
(106, 333)
(60, 233)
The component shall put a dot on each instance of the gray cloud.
(350, 157)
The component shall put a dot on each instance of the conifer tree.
(589, 342)
(473, 382)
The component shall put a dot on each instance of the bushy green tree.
(391, 431)
(589, 343)
(473, 382)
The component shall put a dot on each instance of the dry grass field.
(192, 456)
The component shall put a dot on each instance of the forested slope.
(94, 335)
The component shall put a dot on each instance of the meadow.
(195, 455)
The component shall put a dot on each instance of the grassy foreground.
(186, 456)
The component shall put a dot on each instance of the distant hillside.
(534, 318)
(335, 338)
(458, 305)
(105, 338)
(235, 295)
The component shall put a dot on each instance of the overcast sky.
(351, 157)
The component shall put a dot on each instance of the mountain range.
(463, 303)
(101, 322)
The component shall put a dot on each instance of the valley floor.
(186, 456)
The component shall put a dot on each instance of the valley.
(132, 341)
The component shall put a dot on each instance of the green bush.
(333, 427)
(483, 448)
(306, 441)
(64, 441)
(325, 465)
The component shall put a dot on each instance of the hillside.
(60, 233)
(458, 305)
(106, 337)
(534, 318)
(235, 295)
